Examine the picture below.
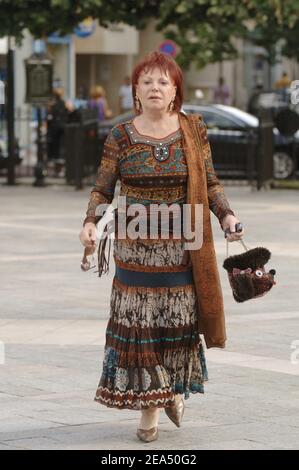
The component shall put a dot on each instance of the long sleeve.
(218, 202)
(107, 175)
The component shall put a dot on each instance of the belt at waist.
(146, 279)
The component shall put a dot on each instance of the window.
(218, 121)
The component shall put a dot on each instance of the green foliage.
(204, 29)
(43, 17)
(275, 20)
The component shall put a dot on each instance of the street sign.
(39, 78)
(168, 47)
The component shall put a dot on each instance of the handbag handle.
(239, 228)
(241, 241)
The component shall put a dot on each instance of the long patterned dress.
(153, 349)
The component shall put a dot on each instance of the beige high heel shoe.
(175, 412)
(151, 434)
(148, 435)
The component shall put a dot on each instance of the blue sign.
(168, 47)
(54, 38)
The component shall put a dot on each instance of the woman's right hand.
(88, 236)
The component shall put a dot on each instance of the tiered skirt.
(153, 349)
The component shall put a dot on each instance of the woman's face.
(155, 90)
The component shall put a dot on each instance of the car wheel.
(283, 165)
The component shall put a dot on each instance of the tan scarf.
(204, 265)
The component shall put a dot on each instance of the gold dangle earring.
(171, 106)
(137, 104)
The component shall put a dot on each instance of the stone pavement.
(53, 320)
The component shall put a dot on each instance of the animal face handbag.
(247, 275)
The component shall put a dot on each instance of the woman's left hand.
(229, 222)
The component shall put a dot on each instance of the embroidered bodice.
(150, 171)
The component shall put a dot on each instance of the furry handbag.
(247, 275)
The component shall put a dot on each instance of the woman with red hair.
(154, 356)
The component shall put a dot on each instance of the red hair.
(167, 65)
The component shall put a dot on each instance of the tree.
(290, 48)
(275, 20)
(204, 29)
(43, 17)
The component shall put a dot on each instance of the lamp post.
(39, 77)
(10, 113)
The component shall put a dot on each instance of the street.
(53, 320)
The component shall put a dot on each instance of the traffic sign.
(168, 47)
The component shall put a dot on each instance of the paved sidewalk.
(53, 320)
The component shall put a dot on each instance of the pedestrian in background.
(221, 92)
(154, 356)
(57, 115)
(99, 102)
(253, 105)
(282, 86)
(283, 82)
(125, 96)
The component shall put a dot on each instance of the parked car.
(229, 131)
(275, 100)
